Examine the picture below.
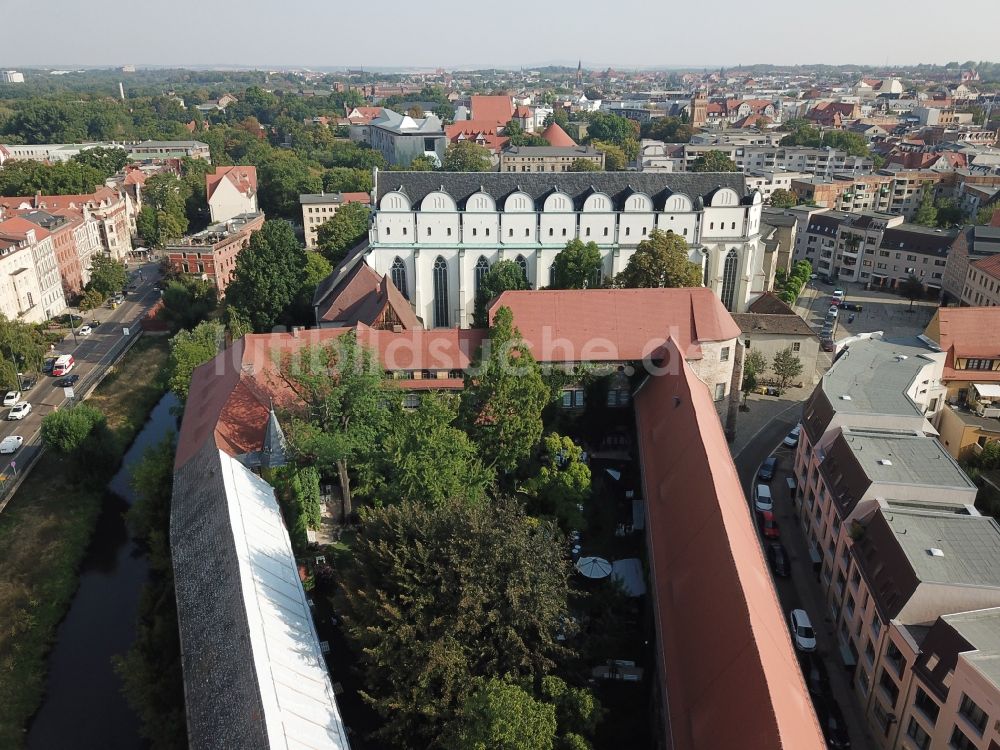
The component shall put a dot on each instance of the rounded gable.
(724, 197)
(678, 203)
(519, 202)
(480, 201)
(638, 202)
(598, 202)
(558, 202)
(438, 200)
(395, 200)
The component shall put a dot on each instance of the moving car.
(778, 559)
(767, 469)
(27, 384)
(11, 443)
(762, 498)
(11, 398)
(49, 364)
(792, 438)
(67, 382)
(837, 296)
(802, 631)
(85, 330)
(20, 411)
(850, 306)
(768, 526)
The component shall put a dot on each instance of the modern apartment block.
(401, 138)
(318, 208)
(211, 253)
(887, 192)
(817, 161)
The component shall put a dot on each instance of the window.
(979, 364)
(398, 274)
(926, 704)
(587, 232)
(440, 293)
(520, 260)
(869, 652)
(527, 231)
(627, 231)
(510, 232)
(605, 231)
(474, 231)
(429, 144)
(916, 733)
(482, 268)
(895, 658)
(729, 280)
(796, 346)
(449, 231)
(720, 391)
(959, 741)
(973, 713)
(724, 354)
(890, 687)
(411, 401)
(551, 231)
(573, 398)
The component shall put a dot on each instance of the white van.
(762, 501)
(63, 365)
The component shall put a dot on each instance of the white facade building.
(435, 234)
(11, 76)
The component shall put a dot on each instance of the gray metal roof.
(321, 198)
(969, 546)
(618, 185)
(904, 458)
(982, 629)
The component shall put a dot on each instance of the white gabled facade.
(433, 234)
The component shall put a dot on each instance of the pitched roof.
(17, 226)
(969, 332)
(556, 136)
(780, 324)
(723, 648)
(915, 238)
(244, 179)
(616, 324)
(362, 297)
(770, 303)
(989, 266)
(498, 109)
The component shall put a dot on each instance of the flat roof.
(904, 458)
(947, 548)
(982, 629)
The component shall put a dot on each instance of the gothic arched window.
(398, 275)
(729, 279)
(440, 293)
(520, 260)
(482, 268)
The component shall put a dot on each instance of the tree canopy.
(107, 275)
(343, 231)
(584, 165)
(504, 275)
(661, 260)
(187, 300)
(713, 161)
(787, 366)
(21, 350)
(466, 156)
(577, 266)
(268, 275)
(188, 350)
(107, 161)
(563, 481)
(26, 178)
(668, 130)
(164, 213)
(500, 715)
(782, 198)
(615, 158)
(926, 214)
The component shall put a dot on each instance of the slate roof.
(913, 238)
(781, 325)
(618, 185)
(770, 303)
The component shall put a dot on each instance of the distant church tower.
(579, 73)
(699, 109)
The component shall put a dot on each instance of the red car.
(768, 526)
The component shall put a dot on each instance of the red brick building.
(211, 253)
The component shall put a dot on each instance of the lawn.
(44, 533)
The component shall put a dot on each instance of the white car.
(802, 631)
(792, 438)
(762, 499)
(11, 398)
(11, 443)
(85, 330)
(20, 411)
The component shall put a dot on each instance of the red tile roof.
(969, 332)
(102, 194)
(364, 297)
(17, 226)
(497, 109)
(356, 198)
(989, 266)
(557, 137)
(616, 324)
(724, 656)
(243, 177)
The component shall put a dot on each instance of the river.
(84, 706)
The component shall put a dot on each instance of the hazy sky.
(397, 33)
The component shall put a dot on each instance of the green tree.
(438, 596)
(268, 275)
(754, 365)
(316, 270)
(786, 366)
(609, 128)
(188, 350)
(912, 288)
(948, 213)
(668, 130)
(504, 275)
(577, 266)
(660, 261)
(187, 300)
(577, 712)
(559, 116)
(562, 483)
(504, 397)
(713, 161)
(985, 214)
(615, 159)
(91, 300)
(107, 276)
(347, 413)
(781, 198)
(342, 232)
(422, 164)
(67, 430)
(584, 165)
(107, 161)
(500, 715)
(63, 178)
(347, 180)
(283, 176)
(22, 349)
(164, 213)
(926, 213)
(193, 172)
(424, 458)
(466, 156)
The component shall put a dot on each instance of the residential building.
(769, 180)
(547, 158)
(401, 138)
(231, 191)
(137, 150)
(435, 233)
(11, 76)
(657, 156)
(846, 192)
(211, 253)
(319, 208)
(982, 283)
(772, 332)
(779, 243)
(73, 250)
(498, 109)
(817, 161)
(217, 105)
(966, 428)
(31, 289)
(484, 134)
(971, 245)
(909, 250)
(967, 336)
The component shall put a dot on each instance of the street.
(90, 352)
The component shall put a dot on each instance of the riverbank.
(45, 531)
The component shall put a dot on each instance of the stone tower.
(699, 109)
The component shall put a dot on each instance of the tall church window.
(729, 279)
(482, 268)
(398, 274)
(440, 293)
(523, 264)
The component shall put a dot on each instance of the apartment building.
(968, 337)
(982, 283)
(318, 208)
(769, 180)
(969, 426)
(231, 191)
(30, 285)
(846, 192)
(74, 244)
(817, 161)
(971, 245)
(11, 76)
(547, 158)
(401, 138)
(657, 156)
(211, 253)
(136, 150)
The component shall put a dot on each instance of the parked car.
(762, 498)
(767, 469)
(20, 411)
(11, 398)
(27, 383)
(832, 313)
(768, 526)
(778, 558)
(850, 306)
(838, 295)
(827, 344)
(834, 728)
(67, 382)
(48, 365)
(792, 438)
(118, 299)
(85, 330)
(817, 679)
(11, 443)
(802, 631)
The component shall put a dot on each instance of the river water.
(84, 706)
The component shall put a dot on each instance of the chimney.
(295, 331)
(397, 328)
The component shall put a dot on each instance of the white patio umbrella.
(593, 567)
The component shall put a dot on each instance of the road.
(802, 588)
(90, 352)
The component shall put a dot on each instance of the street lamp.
(71, 326)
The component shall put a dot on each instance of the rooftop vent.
(845, 397)
(900, 357)
(884, 462)
(935, 552)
